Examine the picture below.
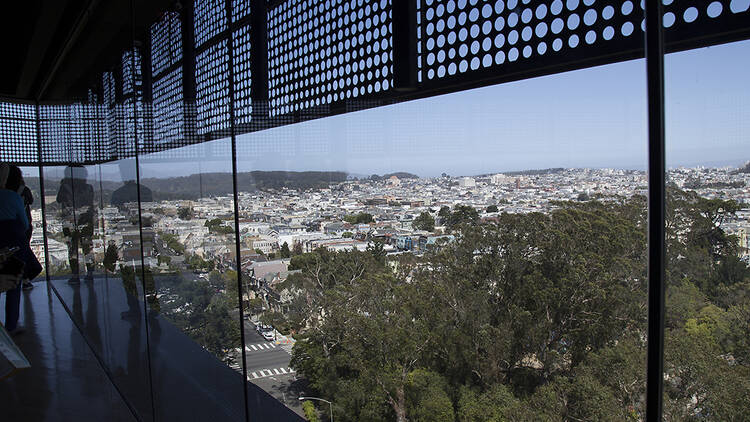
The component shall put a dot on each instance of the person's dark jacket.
(129, 193)
(14, 234)
(77, 189)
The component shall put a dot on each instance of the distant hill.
(534, 172)
(217, 184)
(399, 174)
(211, 184)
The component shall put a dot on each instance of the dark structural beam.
(259, 61)
(656, 210)
(188, 71)
(404, 45)
(236, 201)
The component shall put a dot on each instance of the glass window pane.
(707, 359)
(187, 211)
(481, 254)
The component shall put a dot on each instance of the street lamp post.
(319, 399)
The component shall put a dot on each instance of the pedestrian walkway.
(259, 346)
(263, 373)
(287, 348)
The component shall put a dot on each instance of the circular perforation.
(167, 112)
(18, 132)
(459, 36)
(323, 52)
(131, 73)
(243, 105)
(210, 19)
(212, 88)
(166, 42)
(240, 9)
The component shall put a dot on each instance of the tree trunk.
(400, 405)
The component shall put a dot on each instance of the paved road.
(268, 368)
(265, 358)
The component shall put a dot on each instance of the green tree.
(230, 287)
(427, 397)
(444, 212)
(361, 218)
(494, 405)
(185, 213)
(201, 313)
(529, 317)
(284, 251)
(166, 259)
(347, 234)
(424, 222)
(110, 258)
(492, 208)
(462, 214)
(173, 242)
(297, 249)
(213, 223)
(308, 408)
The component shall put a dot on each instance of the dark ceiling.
(56, 49)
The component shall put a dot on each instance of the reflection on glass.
(33, 197)
(190, 276)
(58, 218)
(707, 327)
(75, 197)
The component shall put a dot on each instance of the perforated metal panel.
(131, 73)
(108, 88)
(168, 108)
(70, 133)
(697, 16)
(210, 19)
(167, 88)
(130, 127)
(243, 104)
(92, 97)
(323, 52)
(18, 133)
(166, 43)
(469, 35)
(240, 9)
(212, 89)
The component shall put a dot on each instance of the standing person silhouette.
(13, 228)
(76, 199)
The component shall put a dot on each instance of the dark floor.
(122, 367)
(65, 381)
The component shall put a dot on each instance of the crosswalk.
(260, 346)
(263, 373)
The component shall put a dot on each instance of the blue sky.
(589, 118)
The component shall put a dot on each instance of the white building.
(501, 179)
(466, 182)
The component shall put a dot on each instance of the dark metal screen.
(18, 132)
(470, 38)
(324, 52)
